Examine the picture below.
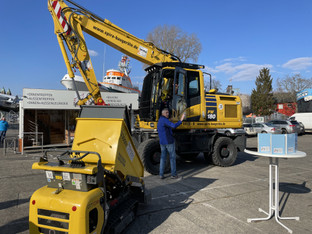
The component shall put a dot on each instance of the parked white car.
(249, 129)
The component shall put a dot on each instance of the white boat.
(119, 80)
(79, 83)
(8, 102)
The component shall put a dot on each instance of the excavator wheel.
(149, 152)
(224, 152)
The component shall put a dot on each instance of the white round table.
(274, 201)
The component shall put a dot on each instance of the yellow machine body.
(111, 139)
(67, 212)
(210, 109)
(103, 171)
(227, 110)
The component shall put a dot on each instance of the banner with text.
(67, 99)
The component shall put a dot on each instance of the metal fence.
(11, 116)
(35, 137)
(265, 119)
(10, 145)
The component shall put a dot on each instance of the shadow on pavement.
(16, 202)
(288, 189)
(19, 225)
(168, 197)
(243, 157)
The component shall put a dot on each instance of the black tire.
(149, 152)
(263, 132)
(190, 156)
(284, 131)
(224, 152)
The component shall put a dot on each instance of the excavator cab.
(175, 86)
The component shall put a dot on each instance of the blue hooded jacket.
(164, 128)
(3, 125)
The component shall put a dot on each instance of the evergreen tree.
(262, 97)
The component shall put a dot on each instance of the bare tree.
(215, 84)
(292, 84)
(173, 40)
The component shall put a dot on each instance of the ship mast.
(124, 65)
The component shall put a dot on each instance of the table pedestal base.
(273, 200)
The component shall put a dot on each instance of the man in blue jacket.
(3, 128)
(166, 141)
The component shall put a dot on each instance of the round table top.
(298, 154)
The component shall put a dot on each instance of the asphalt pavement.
(208, 199)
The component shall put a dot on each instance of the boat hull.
(119, 88)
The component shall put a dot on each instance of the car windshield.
(294, 122)
(269, 124)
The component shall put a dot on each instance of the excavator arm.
(71, 22)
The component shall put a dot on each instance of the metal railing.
(9, 144)
(34, 137)
(33, 132)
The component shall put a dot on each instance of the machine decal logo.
(130, 151)
(142, 51)
(49, 174)
(211, 113)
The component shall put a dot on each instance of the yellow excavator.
(168, 83)
(97, 185)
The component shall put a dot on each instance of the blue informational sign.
(265, 143)
(279, 144)
(305, 94)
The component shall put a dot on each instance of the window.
(193, 84)
(193, 88)
(179, 86)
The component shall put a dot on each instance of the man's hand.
(182, 117)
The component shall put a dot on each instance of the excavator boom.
(71, 22)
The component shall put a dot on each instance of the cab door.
(179, 94)
(193, 98)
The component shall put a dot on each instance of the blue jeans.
(170, 148)
(2, 136)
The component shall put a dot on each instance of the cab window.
(179, 86)
(193, 84)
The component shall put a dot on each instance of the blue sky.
(238, 39)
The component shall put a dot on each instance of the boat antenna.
(104, 61)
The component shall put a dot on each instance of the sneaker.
(176, 177)
(162, 177)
